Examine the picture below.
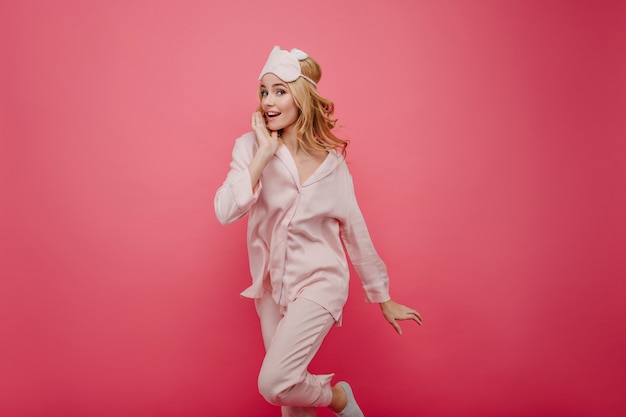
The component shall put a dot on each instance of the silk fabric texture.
(295, 231)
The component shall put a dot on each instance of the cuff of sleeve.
(242, 190)
(377, 292)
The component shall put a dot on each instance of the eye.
(281, 92)
(263, 93)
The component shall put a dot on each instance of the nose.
(268, 100)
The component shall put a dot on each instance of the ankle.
(339, 399)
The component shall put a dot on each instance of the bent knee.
(274, 387)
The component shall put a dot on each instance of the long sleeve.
(297, 232)
(370, 268)
(235, 197)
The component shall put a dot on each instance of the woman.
(290, 177)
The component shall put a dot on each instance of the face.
(278, 105)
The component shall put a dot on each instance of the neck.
(290, 140)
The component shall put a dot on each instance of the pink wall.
(488, 153)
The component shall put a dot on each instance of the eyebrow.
(275, 85)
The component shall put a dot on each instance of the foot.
(352, 408)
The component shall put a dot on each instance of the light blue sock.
(352, 408)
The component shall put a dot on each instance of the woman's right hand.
(268, 142)
(268, 145)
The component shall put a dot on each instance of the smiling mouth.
(272, 114)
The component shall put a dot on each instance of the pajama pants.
(292, 335)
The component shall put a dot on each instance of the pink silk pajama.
(297, 232)
(292, 335)
(296, 238)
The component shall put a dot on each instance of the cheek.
(291, 106)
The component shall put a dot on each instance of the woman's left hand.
(394, 311)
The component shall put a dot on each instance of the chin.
(274, 127)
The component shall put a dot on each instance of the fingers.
(396, 326)
(394, 312)
(414, 315)
(398, 329)
(257, 121)
(410, 314)
(263, 134)
(264, 138)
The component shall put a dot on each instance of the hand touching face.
(268, 142)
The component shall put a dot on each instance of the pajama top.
(295, 231)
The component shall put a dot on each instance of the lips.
(272, 114)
